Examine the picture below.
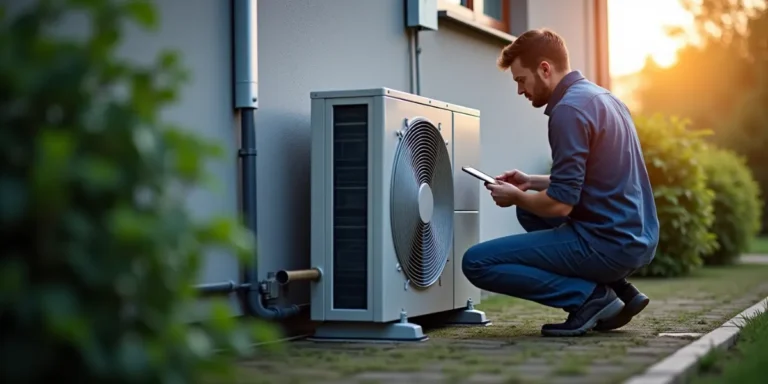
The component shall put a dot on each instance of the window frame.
(602, 57)
(474, 12)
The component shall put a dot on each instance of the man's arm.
(539, 182)
(542, 205)
(569, 137)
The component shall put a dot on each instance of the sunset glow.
(636, 29)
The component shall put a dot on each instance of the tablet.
(479, 175)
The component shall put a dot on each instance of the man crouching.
(592, 221)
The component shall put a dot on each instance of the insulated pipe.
(284, 277)
(246, 101)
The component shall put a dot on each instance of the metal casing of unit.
(357, 139)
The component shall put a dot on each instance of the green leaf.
(143, 12)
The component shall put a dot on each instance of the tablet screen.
(479, 175)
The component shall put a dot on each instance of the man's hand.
(504, 193)
(517, 178)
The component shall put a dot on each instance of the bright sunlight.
(637, 30)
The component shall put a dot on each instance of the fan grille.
(422, 203)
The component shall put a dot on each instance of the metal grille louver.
(422, 203)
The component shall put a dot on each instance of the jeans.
(550, 265)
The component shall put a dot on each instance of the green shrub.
(99, 253)
(738, 205)
(683, 201)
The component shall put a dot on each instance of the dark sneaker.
(601, 305)
(634, 303)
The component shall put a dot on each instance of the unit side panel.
(379, 136)
(348, 201)
(320, 130)
(466, 146)
(467, 233)
(395, 293)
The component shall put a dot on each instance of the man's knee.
(478, 267)
(472, 262)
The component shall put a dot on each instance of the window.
(491, 13)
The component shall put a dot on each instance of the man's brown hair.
(533, 47)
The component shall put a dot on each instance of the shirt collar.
(560, 89)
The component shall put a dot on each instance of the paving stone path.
(754, 259)
(512, 350)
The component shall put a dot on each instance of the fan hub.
(426, 203)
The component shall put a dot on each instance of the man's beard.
(540, 95)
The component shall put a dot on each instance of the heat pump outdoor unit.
(392, 213)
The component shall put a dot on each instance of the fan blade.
(422, 158)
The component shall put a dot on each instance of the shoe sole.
(631, 309)
(609, 311)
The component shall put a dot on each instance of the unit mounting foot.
(468, 316)
(360, 332)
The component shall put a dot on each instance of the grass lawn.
(745, 363)
(512, 350)
(759, 245)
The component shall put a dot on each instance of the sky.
(636, 29)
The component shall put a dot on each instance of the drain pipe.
(246, 89)
(414, 52)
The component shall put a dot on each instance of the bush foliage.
(737, 205)
(684, 202)
(100, 253)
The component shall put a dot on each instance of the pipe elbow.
(289, 311)
(256, 307)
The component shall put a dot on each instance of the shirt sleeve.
(569, 137)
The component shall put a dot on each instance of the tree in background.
(720, 84)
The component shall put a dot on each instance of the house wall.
(311, 45)
(572, 20)
(577, 21)
(200, 31)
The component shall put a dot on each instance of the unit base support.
(468, 317)
(358, 332)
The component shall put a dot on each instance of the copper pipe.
(284, 277)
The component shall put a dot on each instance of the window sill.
(449, 15)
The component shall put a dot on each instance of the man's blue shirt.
(598, 168)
